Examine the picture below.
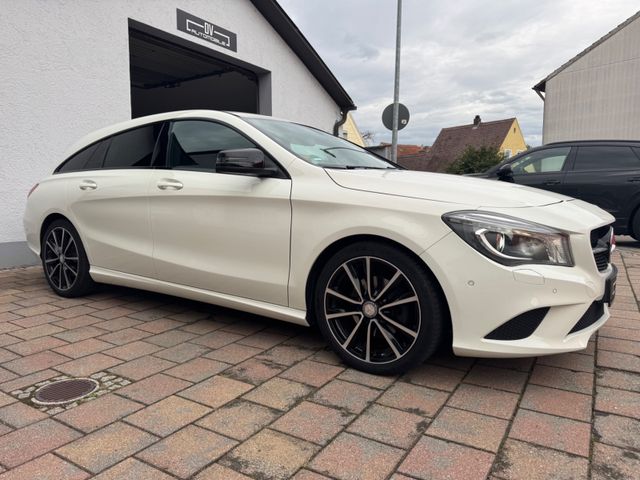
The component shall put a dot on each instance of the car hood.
(440, 187)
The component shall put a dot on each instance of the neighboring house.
(350, 132)
(596, 94)
(505, 135)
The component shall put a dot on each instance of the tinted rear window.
(133, 148)
(88, 159)
(606, 158)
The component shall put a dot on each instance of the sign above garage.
(211, 32)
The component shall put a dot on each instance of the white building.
(71, 67)
(596, 94)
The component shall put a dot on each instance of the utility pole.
(396, 89)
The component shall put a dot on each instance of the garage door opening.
(166, 76)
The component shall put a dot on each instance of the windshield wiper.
(356, 167)
(365, 167)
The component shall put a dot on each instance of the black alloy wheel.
(64, 260)
(378, 308)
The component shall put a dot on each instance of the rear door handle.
(552, 182)
(88, 185)
(634, 180)
(169, 184)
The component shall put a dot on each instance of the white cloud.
(459, 59)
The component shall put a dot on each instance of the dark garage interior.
(166, 76)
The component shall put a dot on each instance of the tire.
(401, 320)
(64, 260)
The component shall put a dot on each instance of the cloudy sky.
(460, 58)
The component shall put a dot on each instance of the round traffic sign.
(403, 116)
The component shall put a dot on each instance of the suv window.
(606, 158)
(90, 158)
(194, 144)
(541, 161)
(133, 148)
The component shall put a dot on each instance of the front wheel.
(378, 308)
(64, 260)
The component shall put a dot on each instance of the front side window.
(606, 158)
(317, 147)
(542, 161)
(133, 148)
(195, 144)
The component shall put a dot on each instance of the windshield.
(317, 147)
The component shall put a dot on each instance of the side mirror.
(505, 173)
(244, 161)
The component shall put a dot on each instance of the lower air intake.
(591, 316)
(519, 327)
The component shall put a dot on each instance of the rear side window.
(133, 148)
(88, 159)
(194, 144)
(606, 158)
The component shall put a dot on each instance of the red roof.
(406, 149)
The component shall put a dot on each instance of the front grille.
(601, 246)
(519, 327)
(591, 316)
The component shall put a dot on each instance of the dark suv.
(603, 172)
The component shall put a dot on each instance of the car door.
(544, 168)
(607, 176)
(221, 232)
(108, 202)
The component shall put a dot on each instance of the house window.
(507, 153)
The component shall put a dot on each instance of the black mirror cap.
(244, 161)
(505, 173)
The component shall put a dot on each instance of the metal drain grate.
(64, 391)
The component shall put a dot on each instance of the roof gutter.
(342, 119)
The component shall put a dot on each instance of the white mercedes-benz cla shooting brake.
(283, 220)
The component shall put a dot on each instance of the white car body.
(251, 243)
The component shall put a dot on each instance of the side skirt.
(256, 307)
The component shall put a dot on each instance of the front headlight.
(509, 240)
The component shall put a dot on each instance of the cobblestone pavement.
(206, 393)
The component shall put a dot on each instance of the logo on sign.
(211, 32)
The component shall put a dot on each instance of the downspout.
(341, 120)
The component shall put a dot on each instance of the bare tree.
(368, 137)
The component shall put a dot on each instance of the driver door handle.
(552, 182)
(88, 185)
(169, 184)
(634, 180)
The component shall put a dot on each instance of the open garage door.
(166, 76)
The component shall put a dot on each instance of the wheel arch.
(337, 245)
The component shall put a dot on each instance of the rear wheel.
(380, 310)
(64, 260)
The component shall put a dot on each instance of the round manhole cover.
(64, 391)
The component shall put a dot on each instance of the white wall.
(65, 73)
(598, 96)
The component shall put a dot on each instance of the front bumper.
(483, 295)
